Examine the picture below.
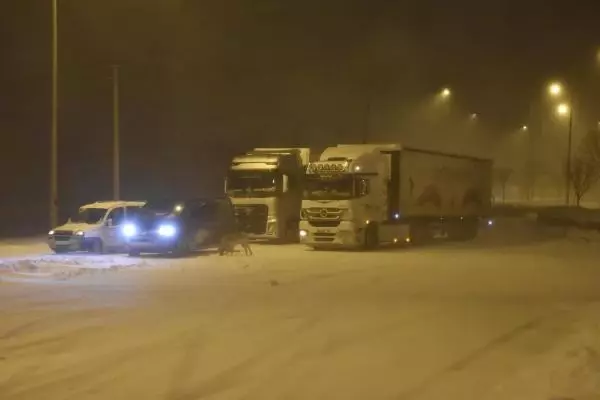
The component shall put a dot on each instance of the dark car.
(179, 227)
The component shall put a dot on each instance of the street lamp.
(564, 110)
(555, 89)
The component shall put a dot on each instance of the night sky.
(202, 80)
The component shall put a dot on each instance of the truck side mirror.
(286, 183)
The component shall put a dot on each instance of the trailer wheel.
(420, 233)
(371, 237)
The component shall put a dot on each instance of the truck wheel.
(371, 237)
(61, 250)
(98, 246)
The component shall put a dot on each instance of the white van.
(95, 228)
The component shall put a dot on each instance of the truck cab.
(364, 195)
(96, 227)
(344, 195)
(265, 186)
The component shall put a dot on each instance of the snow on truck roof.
(354, 151)
(113, 204)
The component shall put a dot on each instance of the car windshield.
(161, 206)
(252, 183)
(320, 187)
(89, 215)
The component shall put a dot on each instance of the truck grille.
(252, 218)
(323, 215)
(324, 224)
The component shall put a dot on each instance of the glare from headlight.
(129, 230)
(167, 230)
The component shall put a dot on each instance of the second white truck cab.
(96, 228)
(265, 186)
(367, 194)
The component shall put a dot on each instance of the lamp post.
(564, 109)
(54, 123)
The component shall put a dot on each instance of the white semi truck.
(266, 186)
(366, 195)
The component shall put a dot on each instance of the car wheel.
(134, 253)
(98, 246)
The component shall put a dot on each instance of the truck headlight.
(303, 233)
(167, 230)
(129, 230)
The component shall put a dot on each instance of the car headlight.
(167, 230)
(79, 233)
(51, 233)
(129, 230)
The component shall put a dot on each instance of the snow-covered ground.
(512, 315)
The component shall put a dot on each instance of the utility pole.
(54, 124)
(116, 137)
(568, 174)
(367, 128)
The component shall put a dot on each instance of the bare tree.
(585, 166)
(502, 177)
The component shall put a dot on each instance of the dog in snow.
(230, 241)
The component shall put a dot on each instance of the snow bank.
(63, 267)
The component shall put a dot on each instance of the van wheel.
(98, 247)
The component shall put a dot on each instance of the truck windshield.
(89, 215)
(252, 183)
(329, 188)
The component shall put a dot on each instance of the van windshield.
(89, 215)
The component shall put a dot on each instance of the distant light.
(396, 216)
(357, 168)
(563, 109)
(395, 240)
(555, 89)
(446, 92)
(474, 116)
(367, 222)
(407, 240)
(524, 128)
(490, 222)
(178, 208)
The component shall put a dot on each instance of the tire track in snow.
(464, 362)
